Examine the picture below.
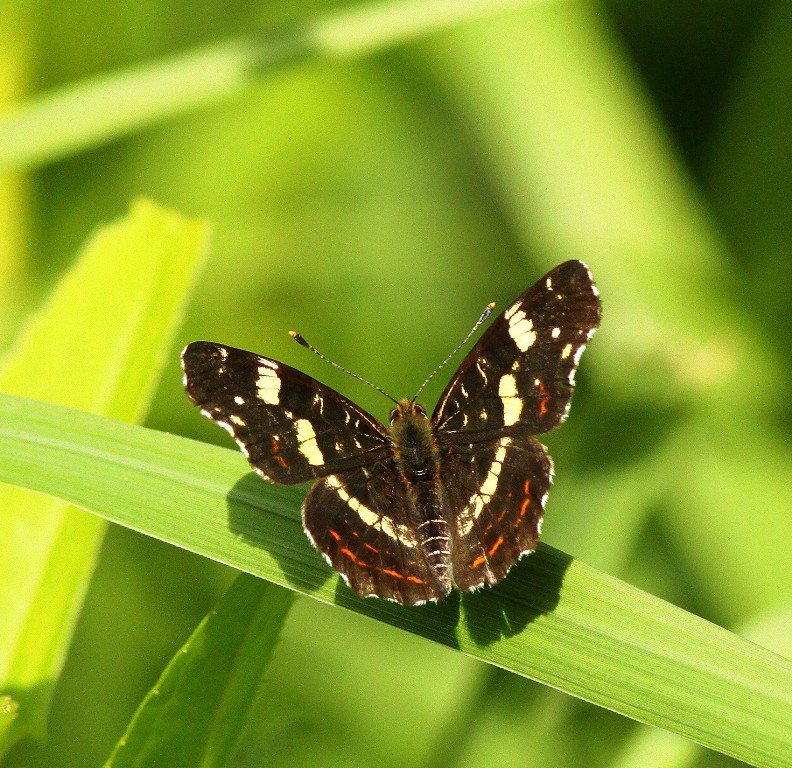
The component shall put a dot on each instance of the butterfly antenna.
(302, 342)
(484, 315)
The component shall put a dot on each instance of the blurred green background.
(376, 205)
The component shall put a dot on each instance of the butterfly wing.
(518, 379)
(497, 490)
(290, 427)
(384, 539)
(516, 382)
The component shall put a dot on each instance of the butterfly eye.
(394, 414)
(419, 409)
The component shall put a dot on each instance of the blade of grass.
(9, 711)
(198, 709)
(97, 344)
(554, 619)
(92, 112)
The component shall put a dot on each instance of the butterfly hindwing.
(497, 490)
(519, 377)
(383, 539)
(290, 427)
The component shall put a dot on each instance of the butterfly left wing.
(290, 427)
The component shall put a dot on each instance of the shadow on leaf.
(267, 516)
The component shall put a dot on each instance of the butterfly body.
(410, 512)
(414, 447)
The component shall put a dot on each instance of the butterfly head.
(414, 446)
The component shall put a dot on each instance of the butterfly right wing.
(290, 427)
(497, 490)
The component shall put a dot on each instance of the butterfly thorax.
(414, 446)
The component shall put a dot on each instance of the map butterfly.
(411, 511)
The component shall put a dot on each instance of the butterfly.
(409, 511)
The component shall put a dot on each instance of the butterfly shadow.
(531, 589)
(436, 620)
(267, 517)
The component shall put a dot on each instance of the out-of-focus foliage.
(377, 205)
(97, 344)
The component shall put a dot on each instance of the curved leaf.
(553, 619)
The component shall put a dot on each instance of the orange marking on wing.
(545, 399)
(496, 546)
(335, 534)
(477, 562)
(276, 454)
(395, 574)
(370, 548)
(387, 571)
(527, 501)
(351, 555)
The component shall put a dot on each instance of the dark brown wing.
(290, 427)
(497, 491)
(518, 379)
(384, 541)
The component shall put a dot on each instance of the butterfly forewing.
(290, 427)
(519, 377)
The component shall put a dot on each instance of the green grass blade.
(90, 113)
(97, 344)
(9, 710)
(554, 619)
(196, 712)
